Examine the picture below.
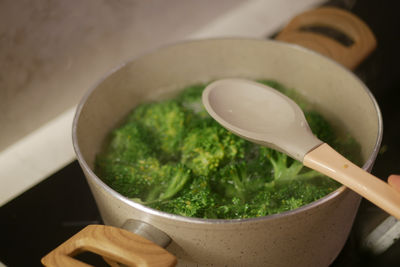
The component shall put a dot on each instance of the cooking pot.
(312, 235)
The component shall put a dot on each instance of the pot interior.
(331, 89)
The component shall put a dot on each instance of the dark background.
(49, 213)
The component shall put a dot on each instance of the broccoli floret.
(133, 181)
(165, 123)
(195, 200)
(284, 167)
(228, 182)
(346, 146)
(320, 127)
(238, 180)
(290, 195)
(146, 180)
(234, 146)
(171, 179)
(204, 149)
(128, 144)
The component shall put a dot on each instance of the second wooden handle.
(338, 19)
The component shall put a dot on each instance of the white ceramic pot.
(312, 235)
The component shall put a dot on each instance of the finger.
(394, 180)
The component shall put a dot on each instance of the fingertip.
(394, 180)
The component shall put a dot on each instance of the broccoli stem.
(239, 186)
(176, 185)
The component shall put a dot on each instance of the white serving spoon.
(264, 116)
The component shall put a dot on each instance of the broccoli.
(165, 124)
(202, 150)
(283, 184)
(284, 167)
(206, 148)
(129, 164)
(172, 178)
(320, 127)
(129, 144)
(145, 181)
(131, 180)
(172, 156)
(291, 194)
(195, 200)
(345, 145)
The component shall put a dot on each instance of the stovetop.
(52, 211)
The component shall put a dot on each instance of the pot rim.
(367, 165)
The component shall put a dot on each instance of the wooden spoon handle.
(334, 18)
(329, 162)
(114, 244)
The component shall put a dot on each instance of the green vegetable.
(195, 200)
(164, 124)
(172, 156)
(206, 148)
(320, 127)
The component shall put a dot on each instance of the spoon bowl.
(261, 115)
(265, 116)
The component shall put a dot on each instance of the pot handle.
(114, 244)
(336, 19)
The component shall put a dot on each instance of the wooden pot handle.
(114, 244)
(340, 20)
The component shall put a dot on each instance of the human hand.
(394, 180)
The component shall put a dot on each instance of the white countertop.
(37, 106)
